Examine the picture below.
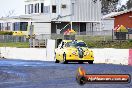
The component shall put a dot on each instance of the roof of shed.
(113, 14)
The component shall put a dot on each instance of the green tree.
(129, 4)
(123, 7)
(109, 6)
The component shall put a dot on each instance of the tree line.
(109, 6)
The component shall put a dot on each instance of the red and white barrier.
(130, 57)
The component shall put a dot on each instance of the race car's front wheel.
(90, 62)
(80, 62)
(64, 59)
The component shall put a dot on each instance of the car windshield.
(76, 44)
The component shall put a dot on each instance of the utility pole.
(71, 25)
(31, 35)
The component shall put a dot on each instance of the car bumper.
(76, 58)
(79, 60)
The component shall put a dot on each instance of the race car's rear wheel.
(64, 59)
(90, 62)
(56, 61)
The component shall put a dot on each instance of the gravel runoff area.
(38, 74)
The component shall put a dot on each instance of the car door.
(59, 51)
(62, 49)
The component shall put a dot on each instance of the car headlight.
(74, 53)
(87, 53)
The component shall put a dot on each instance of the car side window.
(62, 44)
(67, 45)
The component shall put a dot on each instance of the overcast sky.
(17, 6)
(9, 5)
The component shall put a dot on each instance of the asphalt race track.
(37, 74)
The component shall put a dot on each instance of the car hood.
(76, 48)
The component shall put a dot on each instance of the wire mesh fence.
(90, 36)
(11, 38)
(97, 37)
(14, 41)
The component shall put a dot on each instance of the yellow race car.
(73, 51)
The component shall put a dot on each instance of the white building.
(56, 16)
(108, 21)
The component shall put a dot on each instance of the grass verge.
(15, 44)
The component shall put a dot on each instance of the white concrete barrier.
(106, 55)
(50, 50)
(110, 55)
(24, 53)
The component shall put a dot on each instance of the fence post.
(31, 34)
(128, 36)
(112, 34)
